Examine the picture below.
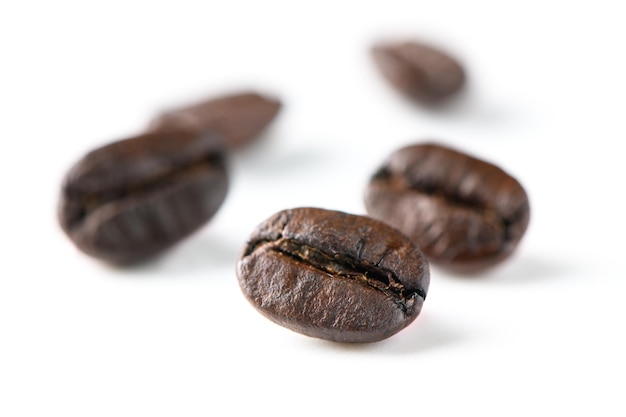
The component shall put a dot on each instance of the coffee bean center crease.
(339, 265)
(464, 202)
(91, 201)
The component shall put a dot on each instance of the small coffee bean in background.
(134, 198)
(333, 275)
(237, 118)
(419, 71)
(463, 212)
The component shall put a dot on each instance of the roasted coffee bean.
(134, 198)
(419, 71)
(237, 118)
(463, 212)
(333, 275)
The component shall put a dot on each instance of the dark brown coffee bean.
(134, 198)
(333, 275)
(419, 71)
(237, 118)
(462, 212)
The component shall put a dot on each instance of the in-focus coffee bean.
(333, 275)
(419, 71)
(237, 118)
(463, 212)
(134, 198)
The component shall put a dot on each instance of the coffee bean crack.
(86, 202)
(455, 200)
(347, 267)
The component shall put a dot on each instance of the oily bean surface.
(419, 71)
(134, 198)
(333, 275)
(463, 212)
(237, 118)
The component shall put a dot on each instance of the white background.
(540, 335)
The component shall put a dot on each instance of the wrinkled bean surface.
(461, 211)
(134, 198)
(333, 275)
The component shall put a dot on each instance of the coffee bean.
(237, 118)
(463, 212)
(419, 71)
(333, 275)
(134, 198)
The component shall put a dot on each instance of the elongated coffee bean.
(237, 118)
(419, 71)
(333, 275)
(463, 212)
(134, 198)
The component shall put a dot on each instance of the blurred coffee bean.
(463, 212)
(419, 71)
(237, 118)
(134, 198)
